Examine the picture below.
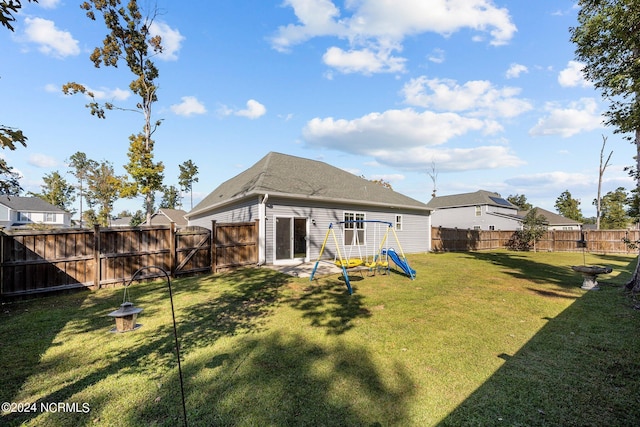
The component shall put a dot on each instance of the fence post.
(214, 238)
(172, 248)
(256, 240)
(97, 273)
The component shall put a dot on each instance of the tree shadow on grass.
(328, 305)
(204, 317)
(306, 384)
(580, 369)
(28, 329)
(238, 309)
(524, 266)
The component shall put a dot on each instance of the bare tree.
(603, 167)
(433, 174)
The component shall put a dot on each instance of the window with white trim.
(478, 210)
(354, 231)
(49, 217)
(24, 216)
(398, 222)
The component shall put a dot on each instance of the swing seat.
(349, 263)
(377, 266)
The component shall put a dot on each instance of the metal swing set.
(379, 261)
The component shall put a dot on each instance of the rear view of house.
(295, 199)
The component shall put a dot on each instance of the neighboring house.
(481, 210)
(24, 211)
(295, 200)
(121, 221)
(166, 216)
(555, 221)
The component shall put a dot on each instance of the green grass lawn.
(489, 338)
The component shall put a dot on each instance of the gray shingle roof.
(480, 197)
(29, 204)
(552, 218)
(284, 175)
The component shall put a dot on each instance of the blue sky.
(486, 91)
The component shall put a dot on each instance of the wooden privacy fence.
(44, 261)
(597, 241)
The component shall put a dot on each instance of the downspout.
(262, 229)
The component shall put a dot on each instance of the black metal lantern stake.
(126, 316)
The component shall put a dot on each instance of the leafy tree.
(9, 178)
(171, 198)
(568, 207)
(188, 172)
(7, 9)
(520, 200)
(129, 39)
(606, 41)
(147, 175)
(103, 189)
(56, 190)
(613, 213)
(534, 226)
(137, 218)
(82, 166)
(90, 218)
(380, 182)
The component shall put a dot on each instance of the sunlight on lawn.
(261, 348)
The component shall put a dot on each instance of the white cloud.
(477, 97)
(579, 116)
(189, 106)
(375, 29)
(390, 178)
(253, 111)
(552, 179)
(452, 159)
(42, 161)
(103, 93)
(515, 70)
(437, 56)
(50, 39)
(392, 129)
(171, 40)
(363, 61)
(49, 4)
(572, 76)
(318, 18)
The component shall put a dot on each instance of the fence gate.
(193, 250)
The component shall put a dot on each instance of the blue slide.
(402, 263)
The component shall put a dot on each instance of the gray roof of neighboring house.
(123, 221)
(480, 197)
(167, 216)
(29, 204)
(283, 175)
(552, 218)
(173, 215)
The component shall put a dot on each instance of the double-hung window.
(354, 228)
(398, 222)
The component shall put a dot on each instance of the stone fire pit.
(590, 275)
